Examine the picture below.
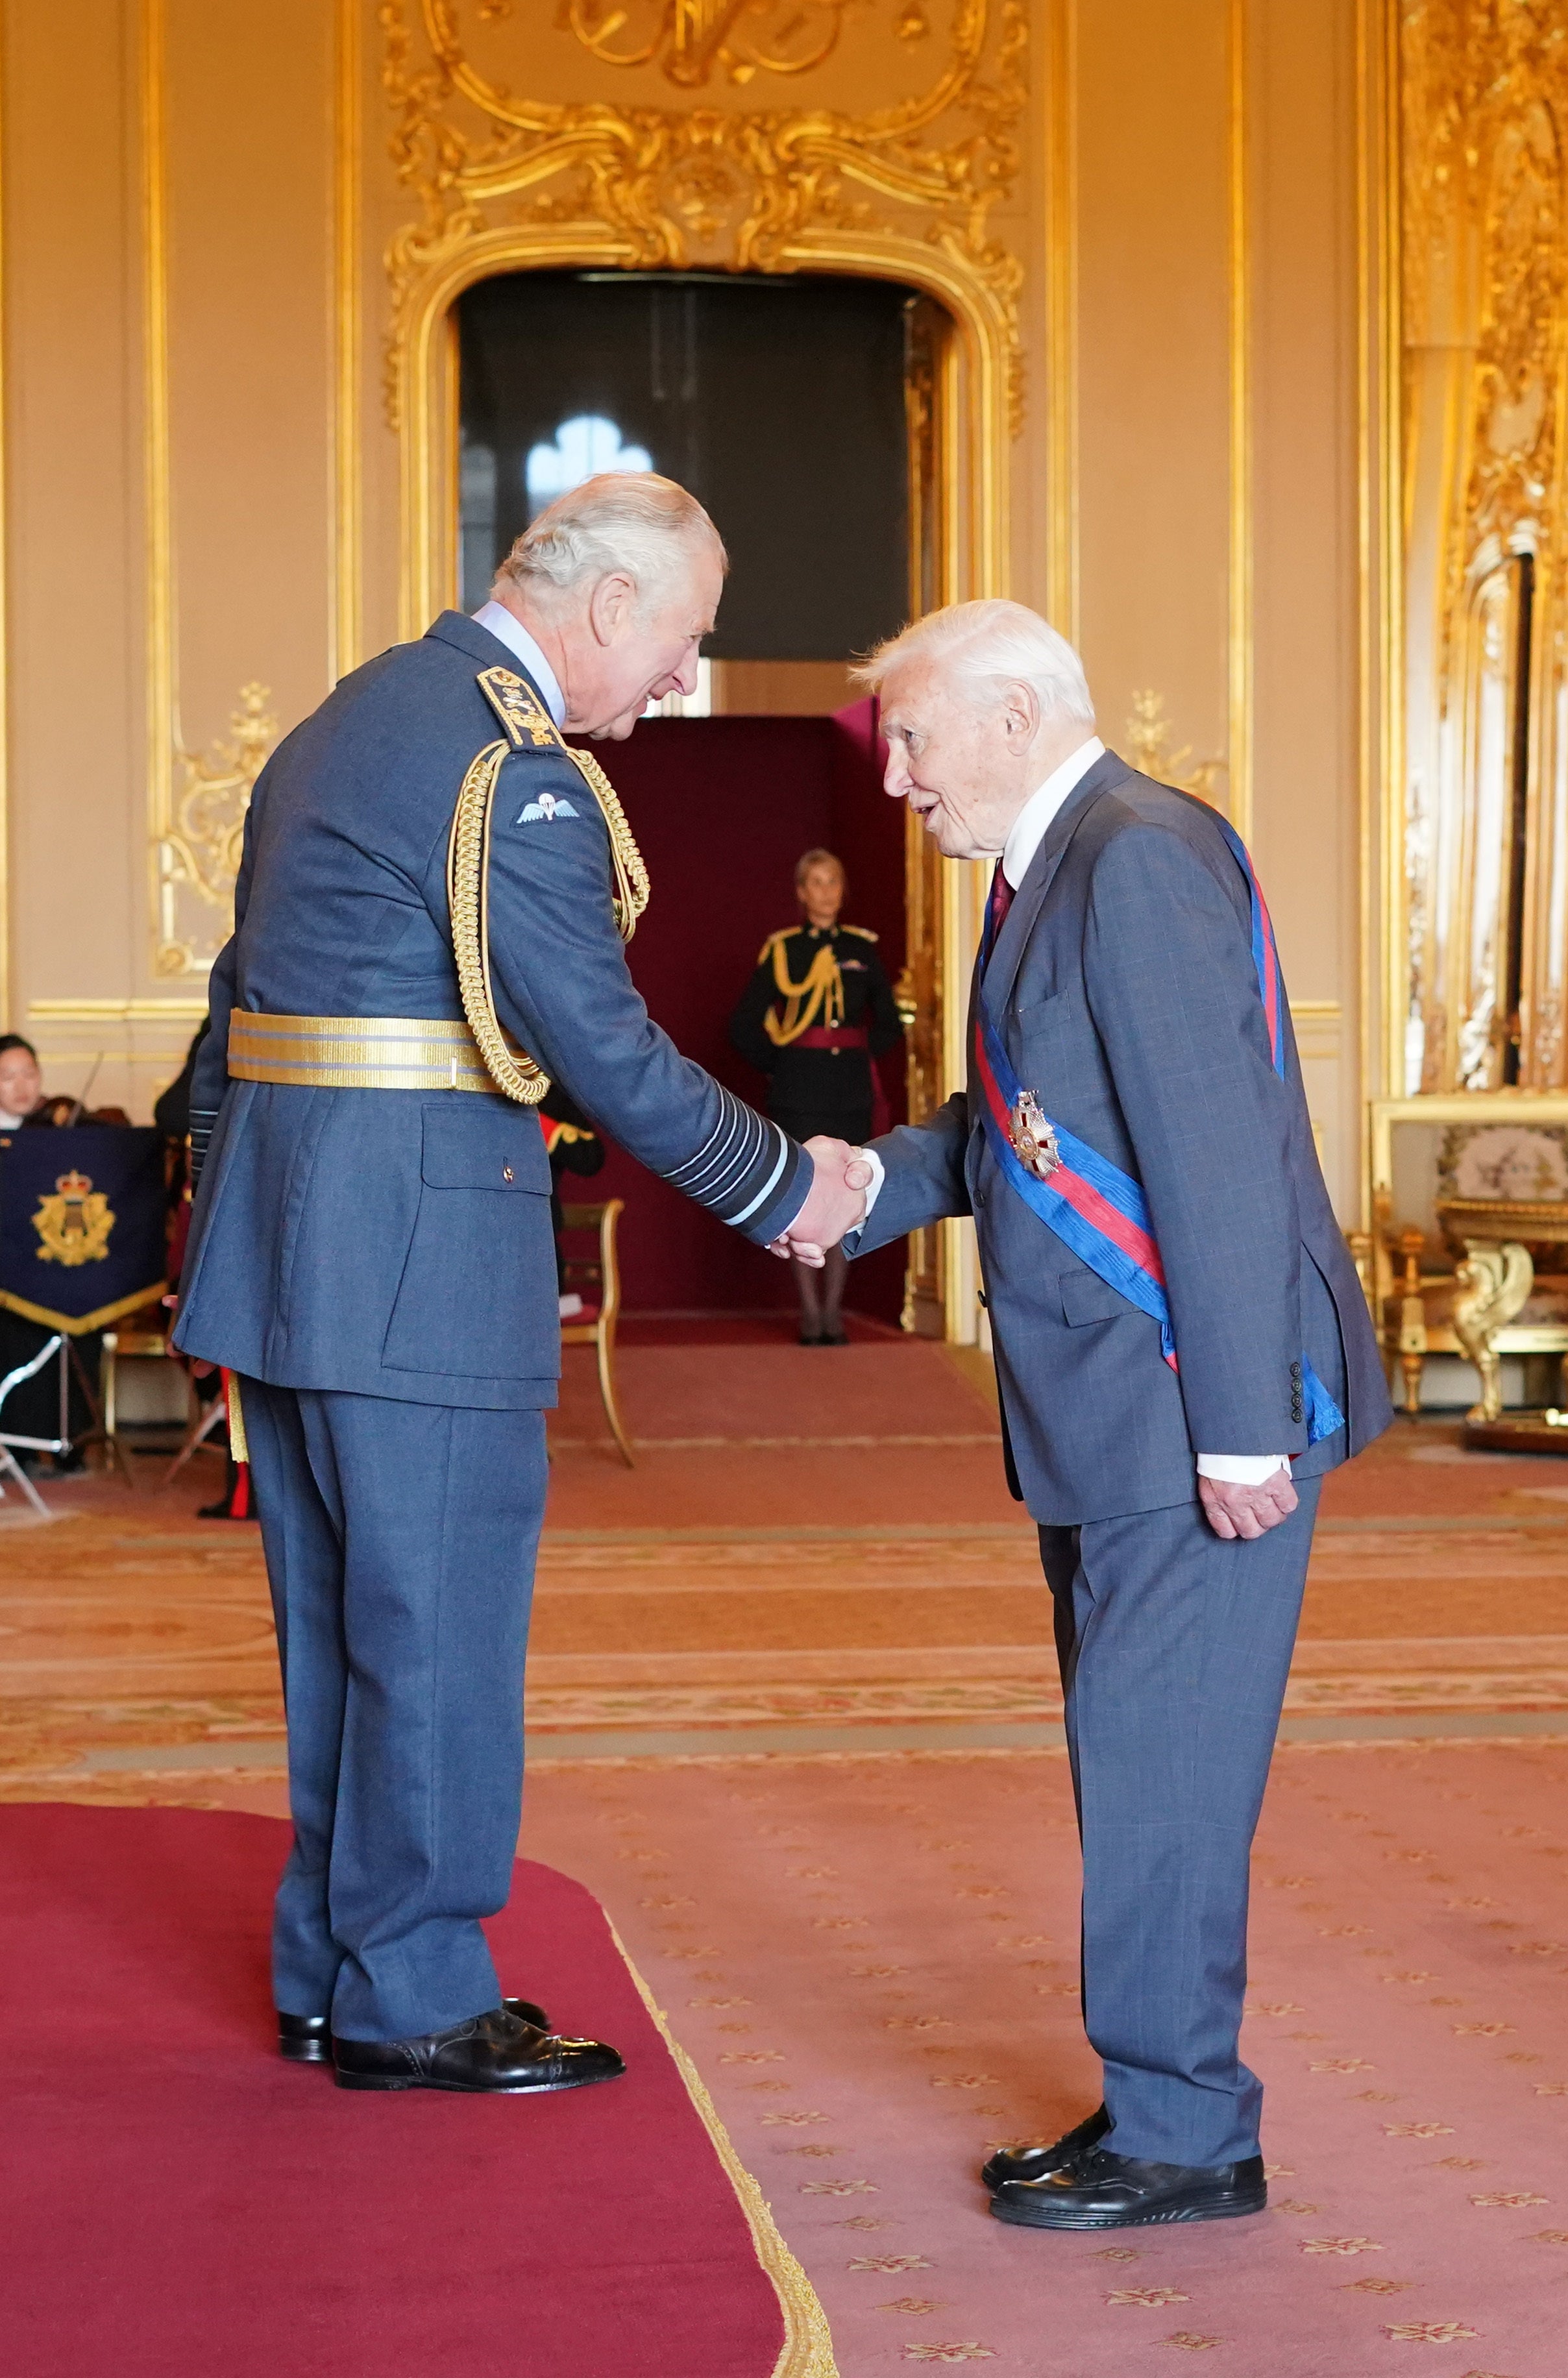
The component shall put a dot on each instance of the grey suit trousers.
(1174, 1649)
(399, 1542)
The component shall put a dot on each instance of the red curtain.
(722, 809)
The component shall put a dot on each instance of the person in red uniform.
(816, 1015)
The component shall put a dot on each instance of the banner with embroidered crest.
(82, 1238)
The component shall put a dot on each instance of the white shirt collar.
(509, 630)
(1030, 826)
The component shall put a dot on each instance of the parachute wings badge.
(74, 1225)
(548, 806)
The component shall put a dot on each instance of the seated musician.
(21, 1082)
(816, 1015)
(33, 1408)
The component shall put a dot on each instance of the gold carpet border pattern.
(808, 2349)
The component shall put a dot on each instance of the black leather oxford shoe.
(307, 2038)
(492, 2053)
(1101, 2191)
(1034, 2163)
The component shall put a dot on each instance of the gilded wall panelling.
(1061, 191)
(1382, 917)
(1148, 732)
(1239, 653)
(1159, 434)
(236, 266)
(346, 535)
(1483, 127)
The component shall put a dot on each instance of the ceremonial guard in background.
(815, 1016)
(431, 913)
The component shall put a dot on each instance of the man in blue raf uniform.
(1183, 1349)
(430, 921)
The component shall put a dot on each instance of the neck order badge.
(1094, 1208)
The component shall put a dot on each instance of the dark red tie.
(1000, 902)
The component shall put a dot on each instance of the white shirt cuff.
(1241, 1468)
(879, 1174)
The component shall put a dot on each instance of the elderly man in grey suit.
(434, 898)
(1182, 1350)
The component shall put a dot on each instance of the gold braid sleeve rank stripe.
(468, 872)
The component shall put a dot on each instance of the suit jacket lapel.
(1030, 897)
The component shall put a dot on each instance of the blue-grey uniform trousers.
(1173, 1649)
(399, 1542)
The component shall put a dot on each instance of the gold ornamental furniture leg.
(609, 1314)
(108, 1383)
(606, 1341)
(1412, 1321)
(1495, 1281)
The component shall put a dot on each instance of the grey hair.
(988, 646)
(630, 521)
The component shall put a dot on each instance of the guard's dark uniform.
(817, 1011)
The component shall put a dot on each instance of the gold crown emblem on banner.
(74, 1225)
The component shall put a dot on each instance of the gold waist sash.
(357, 1053)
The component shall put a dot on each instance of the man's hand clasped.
(836, 1203)
(1246, 1511)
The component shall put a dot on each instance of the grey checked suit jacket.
(398, 1243)
(1123, 983)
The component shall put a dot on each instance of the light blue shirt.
(509, 630)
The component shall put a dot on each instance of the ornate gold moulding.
(904, 193)
(1540, 1227)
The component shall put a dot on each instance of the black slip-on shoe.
(1101, 2191)
(307, 2038)
(1034, 2163)
(491, 2054)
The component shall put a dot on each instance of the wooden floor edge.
(808, 2345)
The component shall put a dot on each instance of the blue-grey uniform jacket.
(398, 1243)
(1123, 983)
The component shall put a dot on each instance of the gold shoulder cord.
(511, 1069)
(821, 993)
(631, 873)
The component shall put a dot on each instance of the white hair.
(630, 521)
(985, 647)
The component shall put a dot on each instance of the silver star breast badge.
(1032, 1136)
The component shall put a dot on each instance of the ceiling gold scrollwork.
(740, 188)
(1484, 135)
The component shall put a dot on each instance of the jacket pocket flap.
(1084, 1297)
(469, 1146)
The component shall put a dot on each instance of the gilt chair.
(596, 1279)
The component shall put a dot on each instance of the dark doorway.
(781, 402)
(778, 400)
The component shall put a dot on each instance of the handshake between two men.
(836, 1203)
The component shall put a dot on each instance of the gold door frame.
(972, 491)
(969, 500)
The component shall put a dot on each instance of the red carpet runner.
(182, 2202)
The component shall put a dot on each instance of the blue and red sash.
(1094, 1208)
